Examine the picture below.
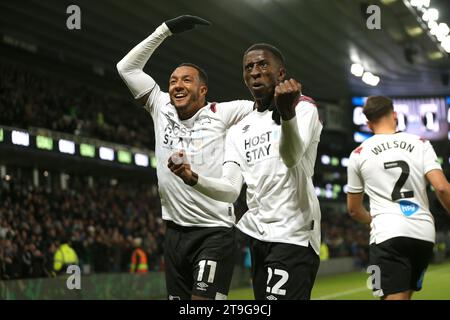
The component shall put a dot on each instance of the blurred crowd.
(100, 224)
(344, 237)
(29, 98)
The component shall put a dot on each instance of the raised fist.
(286, 97)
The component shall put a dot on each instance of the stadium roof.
(320, 39)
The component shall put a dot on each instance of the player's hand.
(185, 23)
(286, 97)
(179, 165)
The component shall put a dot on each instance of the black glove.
(185, 23)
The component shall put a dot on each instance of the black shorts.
(199, 261)
(402, 263)
(282, 271)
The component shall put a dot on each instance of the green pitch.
(352, 286)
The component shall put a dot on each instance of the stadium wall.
(119, 286)
(124, 286)
(336, 265)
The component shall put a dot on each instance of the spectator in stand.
(64, 257)
(139, 262)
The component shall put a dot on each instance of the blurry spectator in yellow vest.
(64, 257)
(324, 253)
(138, 258)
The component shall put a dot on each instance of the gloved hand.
(185, 23)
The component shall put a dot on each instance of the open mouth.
(257, 86)
(180, 96)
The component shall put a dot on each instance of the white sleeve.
(227, 188)
(298, 133)
(231, 153)
(430, 160)
(233, 111)
(130, 68)
(291, 144)
(355, 182)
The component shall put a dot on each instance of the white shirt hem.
(303, 243)
(202, 225)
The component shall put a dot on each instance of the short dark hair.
(377, 107)
(201, 73)
(268, 47)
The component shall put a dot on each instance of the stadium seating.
(100, 223)
(29, 98)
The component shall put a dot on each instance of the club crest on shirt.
(205, 120)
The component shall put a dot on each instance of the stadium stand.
(30, 98)
(100, 223)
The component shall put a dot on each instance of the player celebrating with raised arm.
(277, 163)
(200, 242)
(392, 168)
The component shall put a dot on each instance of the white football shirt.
(283, 206)
(391, 169)
(203, 138)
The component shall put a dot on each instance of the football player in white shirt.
(393, 168)
(277, 163)
(200, 242)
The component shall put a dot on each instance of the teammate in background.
(277, 163)
(392, 168)
(200, 243)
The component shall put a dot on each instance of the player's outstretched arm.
(356, 208)
(130, 68)
(226, 188)
(440, 184)
(291, 144)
